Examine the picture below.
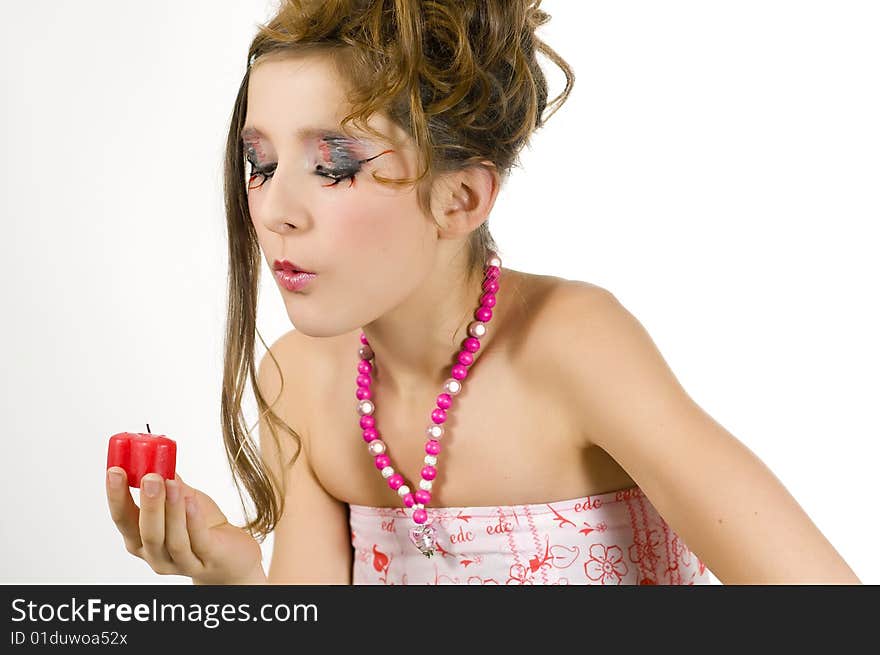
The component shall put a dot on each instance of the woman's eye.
(256, 172)
(336, 176)
(320, 171)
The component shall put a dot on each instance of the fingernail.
(172, 491)
(190, 505)
(116, 478)
(150, 487)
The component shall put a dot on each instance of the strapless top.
(615, 538)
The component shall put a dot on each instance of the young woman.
(443, 418)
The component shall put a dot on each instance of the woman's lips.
(292, 280)
(285, 265)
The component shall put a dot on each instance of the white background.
(716, 167)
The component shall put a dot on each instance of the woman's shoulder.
(552, 310)
(558, 297)
(573, 329)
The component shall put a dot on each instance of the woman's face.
(370, 245)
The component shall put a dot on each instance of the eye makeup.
(338, 155)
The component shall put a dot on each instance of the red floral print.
(613, 538)
(606, 564)
(519, 575)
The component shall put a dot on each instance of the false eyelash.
(266, 173)
(337, 177)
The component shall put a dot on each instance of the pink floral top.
(612, 538)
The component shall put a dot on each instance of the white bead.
(452, 386)
(430, 460)
(365, 407)
(494, 260)
(477, 329)
(403, 490)
(387, 472)
(418, 506)
(376, 446)
(426, 484)
(435, 431)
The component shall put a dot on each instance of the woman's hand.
(173, 540)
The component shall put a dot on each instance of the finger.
(152, 523)
(185, 489)
(123, 509)
(199, 532)
(209, 510)
(176, 535)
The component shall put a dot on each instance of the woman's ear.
(464, 198)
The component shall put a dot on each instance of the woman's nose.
(280, 205)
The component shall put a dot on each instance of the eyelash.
(267, 173)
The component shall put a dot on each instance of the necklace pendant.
(423, 536)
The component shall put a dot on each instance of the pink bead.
(466, 358)
(438, 415)
(423, 497)
(366, 367)
(420, 516)
(363, 393)
(409, 501)
(363, 338)
(429, 473)
(432, 447)
(483, 314)
(491, 286)
(363, 380)
(395, 481)
(459, 371)
(370, 434)
(492, 272)
(368, 421)
(471, 344)
(487, 299)
(382, 461)
(444, 401)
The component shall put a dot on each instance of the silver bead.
(365, 352)
(494, 260)
(365, 406)
(435, 432)
(426, 484)
(387, 472)
(430, 460)
(452, 386)
(402, 490)
(477, 329)
(376, 446)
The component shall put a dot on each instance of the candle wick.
(148, 429)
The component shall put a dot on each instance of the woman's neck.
(415, 345)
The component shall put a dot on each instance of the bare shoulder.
(299, 357)
(287, 372)
(573, 301)
(555, 302)
(556, 309)
(590, 339)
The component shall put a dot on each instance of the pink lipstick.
(291, 276)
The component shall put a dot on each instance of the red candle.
(140, 453)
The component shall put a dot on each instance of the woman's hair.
(460, 77)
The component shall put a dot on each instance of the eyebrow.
(309, 131)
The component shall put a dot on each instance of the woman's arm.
(723, 501)
(312, 540)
